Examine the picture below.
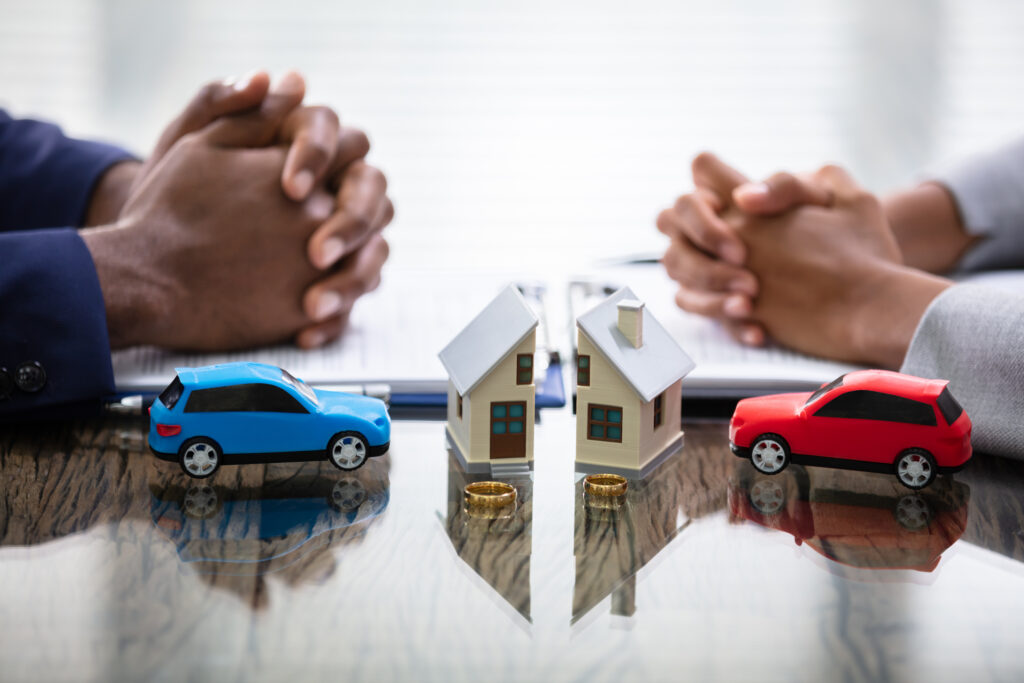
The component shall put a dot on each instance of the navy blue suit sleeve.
(46, 178)
(52, 313)
(54, 349)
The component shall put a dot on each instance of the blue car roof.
(228, 373)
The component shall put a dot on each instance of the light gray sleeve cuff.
(972, 336)
(989, 193)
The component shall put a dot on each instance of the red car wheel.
(769, 453)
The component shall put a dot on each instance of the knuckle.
(664, 221)
(830, 170)
(703, 160)
(360, 223)
(208, 94)
(315, 154)
(684, 204)
(378, 178)
(360, 142)
(325, 115)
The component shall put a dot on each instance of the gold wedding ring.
(492, 494)
(605, 485)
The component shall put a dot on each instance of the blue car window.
(169, 396)
(261, 398)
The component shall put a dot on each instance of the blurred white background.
(541, 135)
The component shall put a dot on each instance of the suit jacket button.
(30, 376)
(6, 384)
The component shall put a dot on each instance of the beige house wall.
(641, 443)
(607, 387)
(473, 432)
(458, 428)
(654, 441)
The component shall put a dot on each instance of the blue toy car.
(240, 413)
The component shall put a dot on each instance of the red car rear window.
(948, 406)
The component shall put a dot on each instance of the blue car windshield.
(299, 386)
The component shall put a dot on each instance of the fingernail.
(302, 183)
(331, 251)
(240, 83)
(314, 338)
(731, 253)
(327, 305)
(751, 337)
(288, 84)
(736, 306)
(751, 191)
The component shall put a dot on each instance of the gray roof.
(650, 369)
(490, 336)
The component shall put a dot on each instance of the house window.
(604, 423)
(508, 418)
(658, 400)
(583, 371)
(458, 405)
(524, 368)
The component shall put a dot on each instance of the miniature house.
(628, 376)
(491, 388)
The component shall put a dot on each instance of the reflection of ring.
(605, 485)
(490, 494)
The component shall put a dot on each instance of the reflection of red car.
(871, 528)
(869, 420)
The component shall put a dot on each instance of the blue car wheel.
(199, 457)
(348, 450)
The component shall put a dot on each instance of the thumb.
(781, 192)
(713, 175)
(213, 100)
(259, 128)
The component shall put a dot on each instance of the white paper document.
(393, 338)
(396, 332)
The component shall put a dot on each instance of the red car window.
(875, 405)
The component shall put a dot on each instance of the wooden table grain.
(115, 566)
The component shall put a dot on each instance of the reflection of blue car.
(256, 530)
(239, 413)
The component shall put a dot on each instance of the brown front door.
(508, 430)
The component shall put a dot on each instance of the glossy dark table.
(115, 566)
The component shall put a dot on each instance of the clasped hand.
(255, 220)
(810, 261)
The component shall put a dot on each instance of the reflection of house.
(855, 519)
(616, 537)
(628, 377)
(491, 387)
(495, 543)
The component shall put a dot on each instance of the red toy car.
(870, 420)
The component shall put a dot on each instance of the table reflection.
(616, 537)
(495, 543)
(283, 524)
(859, 520)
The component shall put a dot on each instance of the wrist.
(111, 193)
(892, 299)
(131, 291)
(928, 227)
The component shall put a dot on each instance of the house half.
(629, 372)
(490, 386)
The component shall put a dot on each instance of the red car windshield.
(837, 382)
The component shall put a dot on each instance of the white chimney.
(631, 321)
